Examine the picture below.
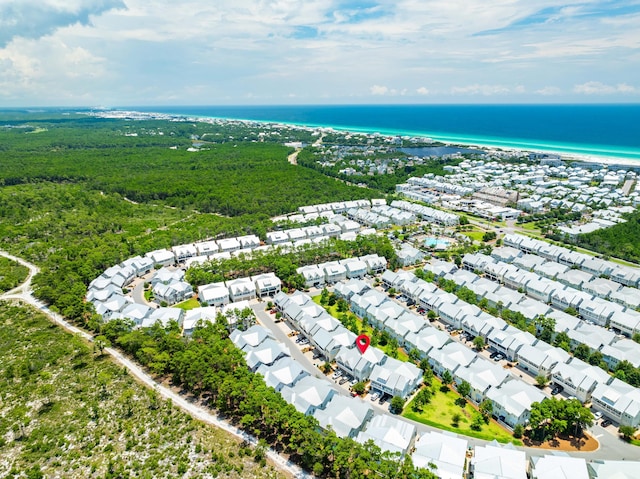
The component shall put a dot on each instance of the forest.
(618, 241)
(78, 196)
(228, 178)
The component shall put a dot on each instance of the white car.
(597, 415)
(375, 396)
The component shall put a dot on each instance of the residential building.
(389, 434)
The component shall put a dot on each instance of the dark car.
(556, 389)
(382, 399)
(493, 354)
(606, 422)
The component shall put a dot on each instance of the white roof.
(559, 467)
(345, 415)
(614, 469)
(495, 462)
(445, 450)
(389, 433)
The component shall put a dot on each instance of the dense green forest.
(67, 412)
(619, 241)
(229, 178)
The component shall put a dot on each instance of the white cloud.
(379, 90)
(549, 91)
(320, 49)
(476, 89)
(598, 88)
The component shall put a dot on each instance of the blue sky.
(167, 52)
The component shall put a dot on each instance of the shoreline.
(605, 157)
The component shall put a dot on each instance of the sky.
(280, 52)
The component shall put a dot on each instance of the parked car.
(493, 354)
(498, 357)
(382, 399)
(375, 396)
(597, 415)
(606, 422)
(556, 389)
(343, 380)
(336, 375)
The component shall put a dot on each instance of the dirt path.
(24, 293)
(293, 157)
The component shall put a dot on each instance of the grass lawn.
(188, 304)
(333, 311)
(439, 413)
(474, 235)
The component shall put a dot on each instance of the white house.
(494, 461)
(579, 378)
(558, 467)
(162, 257)
(512, 401)
(345, 415)
(446, 451)
(481, 375)
(213, 294)
(267, 284)
(389, 434)
(241, 289)
(284, 372)
(308, 394)
(395, 378)
(618, 401)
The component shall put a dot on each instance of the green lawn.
(188, 304)
(474, 235)
(439, 413)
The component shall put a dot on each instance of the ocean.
(607, 131)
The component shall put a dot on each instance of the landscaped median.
(443, 409)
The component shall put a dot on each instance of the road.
(24, 293)
(611, 447)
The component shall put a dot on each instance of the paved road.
(24, 293)
(611, 447)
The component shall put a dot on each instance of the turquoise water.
(432, 241)
(611, 131)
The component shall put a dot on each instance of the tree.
(518, 431)
(100, 343)
(582, 352)
(447, 379)
(542, 380)
(627, 432)
(479, 343)
(359, 388)
(455, 419)
(422, 399)
(486, 409)
(464, 388)
(397, 404)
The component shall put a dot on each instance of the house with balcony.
(512, 401)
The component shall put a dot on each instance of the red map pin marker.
(362, 342)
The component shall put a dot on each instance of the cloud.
(379, 90)
(549, 91)
(598, 88)
(422, 91)
(484, 90)
(37, 18)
